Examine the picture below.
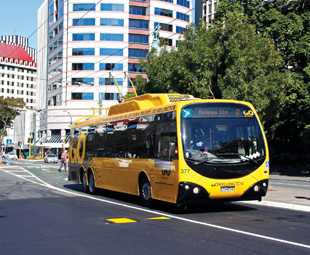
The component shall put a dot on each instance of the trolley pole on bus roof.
(134, 88)
(120, 100)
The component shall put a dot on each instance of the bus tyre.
(146, 192)
(84, 182)
(91, 183)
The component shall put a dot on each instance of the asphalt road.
(42, 213)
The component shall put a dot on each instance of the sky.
(19, 17)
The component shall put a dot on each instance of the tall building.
(18, 80)
(17, 74)
(205, 10)
(91, 46)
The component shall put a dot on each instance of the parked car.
(50, 158)
(11, 155)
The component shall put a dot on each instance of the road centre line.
(42, 183)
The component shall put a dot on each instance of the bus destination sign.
(217, 110)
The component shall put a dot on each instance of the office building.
(92, 46)
(205, 11)
(17, 80)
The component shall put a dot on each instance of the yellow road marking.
(159, 218)
(122, 220)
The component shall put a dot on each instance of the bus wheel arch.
(145, 190)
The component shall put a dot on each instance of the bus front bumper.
(190, 193)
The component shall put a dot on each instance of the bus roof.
(135, 104)
(146, 101)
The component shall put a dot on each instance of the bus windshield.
(222, 134)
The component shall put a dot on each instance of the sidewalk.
(288, 195)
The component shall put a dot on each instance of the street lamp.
(70, 117)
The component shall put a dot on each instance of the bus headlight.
(186, 187)
(256, 188)
(196, 190)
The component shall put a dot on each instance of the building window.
(137, 10)
(182, 16)
(169, 1)
(83, 66)
(109, 51)
(83, 52)
(134, 53)
(110, 81)
(84, 7)
(83, 37)
(112, 37)
(184, 3)
(138, 39)
(163, 12)
(134, 68)
(112, 7)
(179, 29)
(164, 27)
(82, 96)
(138, 24)
(83, 22)
(82, 81)
(51, 9)
(108, 96)
(111, 66)
(112, 22)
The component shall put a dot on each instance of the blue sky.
(20, 17)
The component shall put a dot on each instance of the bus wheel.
(84, 182)
(91, 182)
(146, 192)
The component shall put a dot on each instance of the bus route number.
(185, 171)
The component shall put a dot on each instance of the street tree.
(228, 61)
(9, 109)
(289, 29)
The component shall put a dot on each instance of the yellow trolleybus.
(173, 148)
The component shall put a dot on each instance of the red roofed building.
(17, 74)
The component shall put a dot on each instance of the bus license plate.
(227, 189)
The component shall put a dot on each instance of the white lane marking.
(42, 183)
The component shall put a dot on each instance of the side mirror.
(172, 151)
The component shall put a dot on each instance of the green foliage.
(289, 29)
(8, 114)
(231, 61)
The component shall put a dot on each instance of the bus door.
(165, 167)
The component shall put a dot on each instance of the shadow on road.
(166, 207)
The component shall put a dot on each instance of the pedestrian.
(63, 160)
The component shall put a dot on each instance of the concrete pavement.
(289, 195)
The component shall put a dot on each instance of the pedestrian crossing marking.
(121, 220)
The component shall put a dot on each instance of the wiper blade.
(241, 156)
